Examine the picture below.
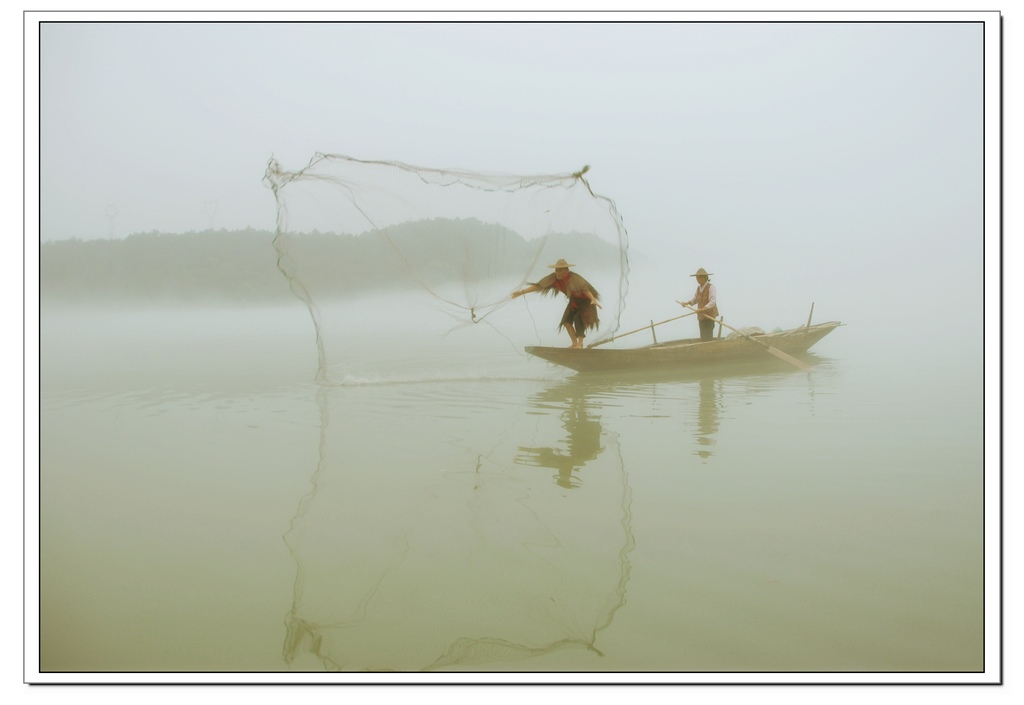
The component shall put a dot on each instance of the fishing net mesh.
(396, 257)
(476, 552)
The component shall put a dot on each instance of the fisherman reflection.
(583, 444)
(708, 411)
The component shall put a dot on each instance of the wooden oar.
(774, 351)
(647, 327)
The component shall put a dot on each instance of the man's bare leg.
(576, 342)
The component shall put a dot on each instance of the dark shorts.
(582, 318)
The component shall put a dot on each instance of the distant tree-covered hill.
(241, 266)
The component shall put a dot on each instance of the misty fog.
(287, 431)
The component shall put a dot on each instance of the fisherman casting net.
(392, 259)
(455, 547)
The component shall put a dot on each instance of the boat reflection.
(697, 400)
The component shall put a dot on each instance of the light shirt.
(712, 300)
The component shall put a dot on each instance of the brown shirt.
(574, 286)
(703, 297)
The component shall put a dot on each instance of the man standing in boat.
(707, 303)
(581, 311)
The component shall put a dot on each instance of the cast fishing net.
(392, 259)
(469, 531)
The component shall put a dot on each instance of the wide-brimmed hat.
(559, 264)
(700, 273)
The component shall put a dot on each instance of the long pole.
(647, 327)
(774, 351)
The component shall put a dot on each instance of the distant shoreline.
(241, 267)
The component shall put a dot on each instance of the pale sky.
(697, 129)
(753, 147)
(845, 156)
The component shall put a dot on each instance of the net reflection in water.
(447, 551)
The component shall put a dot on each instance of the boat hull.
(684, 355)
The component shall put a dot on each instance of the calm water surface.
(205, 506)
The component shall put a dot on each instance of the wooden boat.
(692, 353)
